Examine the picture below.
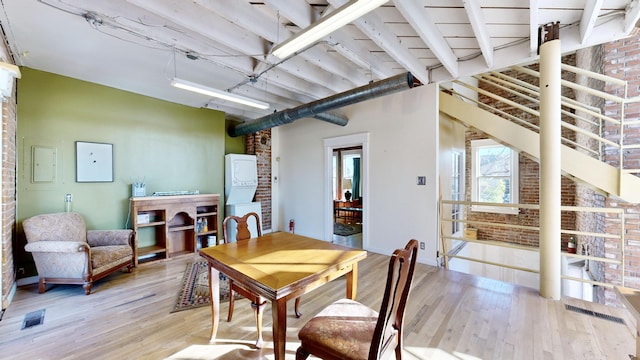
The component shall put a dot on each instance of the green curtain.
(356, 178)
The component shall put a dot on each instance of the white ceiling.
(139, 45)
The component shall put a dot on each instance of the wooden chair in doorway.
(257, 302)
(350, 330)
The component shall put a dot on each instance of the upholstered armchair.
(66, 253)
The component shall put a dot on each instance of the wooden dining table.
(631, 300)
(280, 266)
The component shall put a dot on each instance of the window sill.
(496, 209)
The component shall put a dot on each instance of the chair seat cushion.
(344, 329)
(113, 254)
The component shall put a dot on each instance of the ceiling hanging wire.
(266, 87)
(175, 66)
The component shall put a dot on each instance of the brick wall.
(622, 60)
(259, 144)
(591, 59)
(9, 126)
(8, 196)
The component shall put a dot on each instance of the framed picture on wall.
(94, 162)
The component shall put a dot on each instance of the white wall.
(403, 136)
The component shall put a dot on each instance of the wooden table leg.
(352, 282)
(637, 338)
(279, 312)
(214, 299)
(258, 310)
(297, 308)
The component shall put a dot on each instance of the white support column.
(550, 174)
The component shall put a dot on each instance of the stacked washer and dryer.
(240, 185)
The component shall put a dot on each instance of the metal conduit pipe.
(318, 107)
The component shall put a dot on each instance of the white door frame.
(361, 139)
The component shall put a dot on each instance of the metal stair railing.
(450, 242)
(600, 132)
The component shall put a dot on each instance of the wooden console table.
(170, 226)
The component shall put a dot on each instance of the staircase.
(583, 149)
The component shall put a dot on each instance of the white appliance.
(240, 185)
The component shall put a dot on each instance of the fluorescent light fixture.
(224, 95)
(337, 19)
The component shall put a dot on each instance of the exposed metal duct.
(319, 108)
(332, 118)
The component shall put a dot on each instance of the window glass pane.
(494, 189)
(494, 161)
(495, 176)
(347, 165)
(347, 170)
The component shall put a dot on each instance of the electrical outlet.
(421, 245)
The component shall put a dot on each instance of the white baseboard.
(6, 301)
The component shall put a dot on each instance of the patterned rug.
(194, 290)
(346, 229)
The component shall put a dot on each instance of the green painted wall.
(233, 145)
(173, 147)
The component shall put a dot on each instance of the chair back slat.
(242, 230)
(388, 332)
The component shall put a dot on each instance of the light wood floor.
(450, 315)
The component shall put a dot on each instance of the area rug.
(346, 229)
(194, 290)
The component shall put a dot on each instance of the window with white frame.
(494, 176)
(343, 170)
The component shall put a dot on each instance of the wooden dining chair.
(243, 233)
(257, 302)
(349, 330)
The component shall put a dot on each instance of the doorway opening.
(347, 196)
(346, 189)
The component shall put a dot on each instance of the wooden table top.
(277, 263)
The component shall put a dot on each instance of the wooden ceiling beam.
(303, 15)
(254, 21)
(379, 33)
(479, 25)
(589, 17)
(419, 18)
(534, 23)
(218, 29)
(632, 16)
